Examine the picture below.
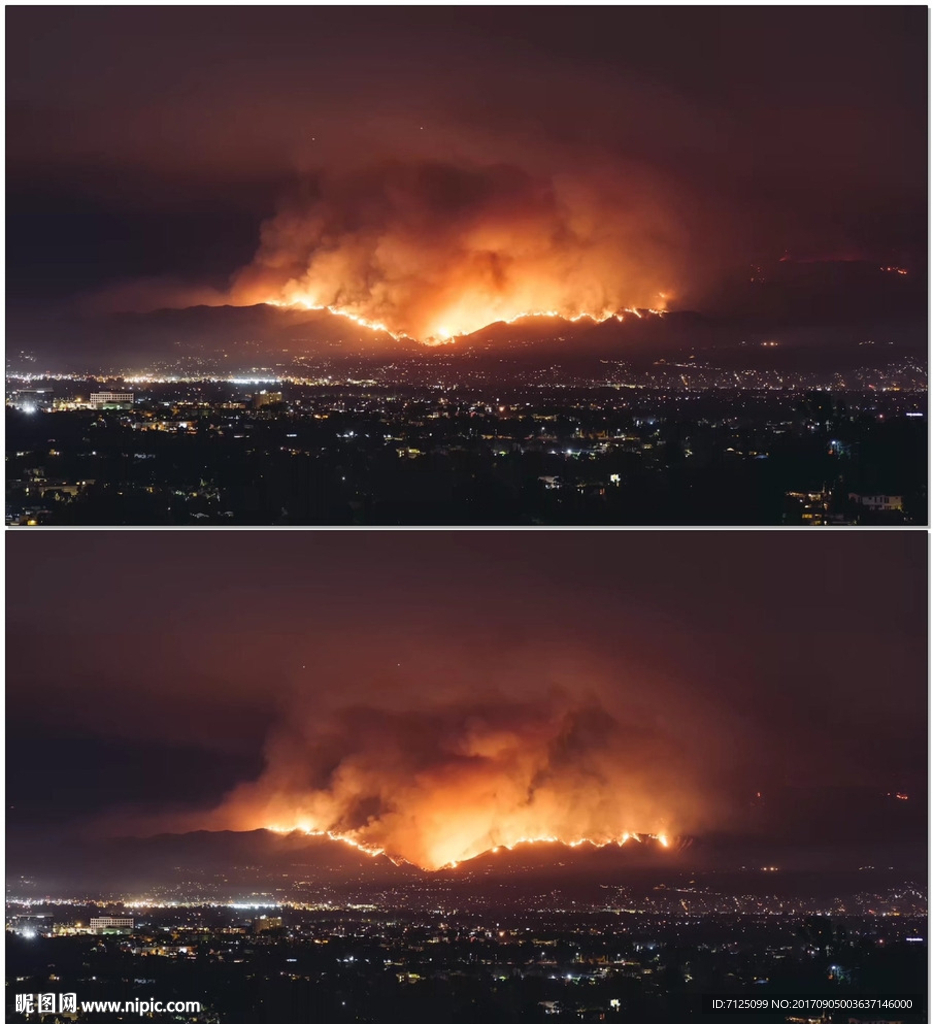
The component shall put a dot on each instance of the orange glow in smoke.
(439, 784)
(433, 251)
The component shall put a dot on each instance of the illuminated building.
(29, 925)
(68, 404)
(267, 398)
(813, 506)
(879, 502)
(31, 401)
(103, 925)
(111, 400)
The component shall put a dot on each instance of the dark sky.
(146, 671)
(151, 143)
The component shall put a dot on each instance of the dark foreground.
(362, 453)
(646, 956)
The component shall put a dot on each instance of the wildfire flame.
(437, 785)
(448, 334)
(437, 864)
(433, 252)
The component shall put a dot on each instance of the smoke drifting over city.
(443, 783)
(432, 249)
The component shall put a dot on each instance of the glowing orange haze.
(439, 786)
(433, 251)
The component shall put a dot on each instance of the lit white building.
(111, 399)
(107, 924)
(882, 502)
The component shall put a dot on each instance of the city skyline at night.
(378, 776)
(435, 232)
(467, 514)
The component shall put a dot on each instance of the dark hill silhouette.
(814, 305)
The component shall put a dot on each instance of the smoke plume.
(436, 785)
(433, 250)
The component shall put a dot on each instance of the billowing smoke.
(433, 250)
(440, 784)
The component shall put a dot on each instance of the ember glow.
(446, 335)
(433, 251)
(438, 787)
(376, 851)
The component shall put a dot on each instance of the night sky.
(150, 674)
(649, 148)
